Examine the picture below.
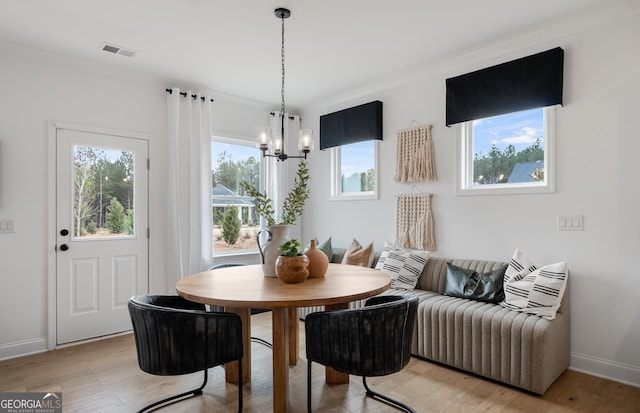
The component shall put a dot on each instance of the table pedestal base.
(332, 376)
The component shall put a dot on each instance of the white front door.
(101, 231)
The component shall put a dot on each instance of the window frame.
(465, 155)
(336, 193)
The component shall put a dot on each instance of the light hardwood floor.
(103, 376)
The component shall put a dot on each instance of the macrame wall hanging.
(414, 222)
(414, 157)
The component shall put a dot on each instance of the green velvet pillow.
(324, 247)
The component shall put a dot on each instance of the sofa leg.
(388, 400)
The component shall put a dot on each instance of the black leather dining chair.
(174, 336)
(374, 340)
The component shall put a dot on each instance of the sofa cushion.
(487, 339)
(356, 254)
(404, 266)
(480, 286)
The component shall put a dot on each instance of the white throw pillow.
(403, 265)
(534, 290)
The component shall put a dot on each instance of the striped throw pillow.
(404, 266)
(534, 290)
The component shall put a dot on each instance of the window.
(235, 224)
(103, 193)
(354, 169)
(509, 153)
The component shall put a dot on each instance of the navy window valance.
(530, 82)
(356, 124)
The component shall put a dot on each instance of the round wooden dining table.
(240, 288)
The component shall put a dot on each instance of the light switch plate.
(7, 225)
(570, 223)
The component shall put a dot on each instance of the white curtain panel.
(189, 248)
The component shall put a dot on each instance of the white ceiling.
(233, 46)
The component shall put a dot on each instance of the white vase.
(269, 250)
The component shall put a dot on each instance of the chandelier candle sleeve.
(305, 141)
(263, 136)
(277, 146)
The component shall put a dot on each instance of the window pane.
(235, 224)
(509, 149)
(102, 192)
(357, 167)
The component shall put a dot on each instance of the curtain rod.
(170, 91)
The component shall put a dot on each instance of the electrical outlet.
(570, 223)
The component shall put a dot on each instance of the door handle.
(64, 247)
(64, 232)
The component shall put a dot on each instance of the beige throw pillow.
(356, 254)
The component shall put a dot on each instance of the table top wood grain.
(246, 286)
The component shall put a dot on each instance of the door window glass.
(103, 190)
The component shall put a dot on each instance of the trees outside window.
(235, 224)
(511, 153)
(353, 170)
(101, 175)
(230, 225)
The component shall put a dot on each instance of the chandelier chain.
(282, 62)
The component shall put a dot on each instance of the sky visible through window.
(237, 152)
(520, 129)
(356, 157)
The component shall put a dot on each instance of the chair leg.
(194, 392)
(308, 386)
(261, 341)
(240, 385)
(388, 400)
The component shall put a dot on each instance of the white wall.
(597, 147)
(596, 156)
(37, 87)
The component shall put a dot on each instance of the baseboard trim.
(607, 369)
(23, 348)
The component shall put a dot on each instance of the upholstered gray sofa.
(518, 349)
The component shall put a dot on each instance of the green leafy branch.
(293, 204)
(263, 204)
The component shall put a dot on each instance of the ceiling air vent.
(112, 48)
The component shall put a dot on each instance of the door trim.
(52, 128)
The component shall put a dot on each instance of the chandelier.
(264, 140)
